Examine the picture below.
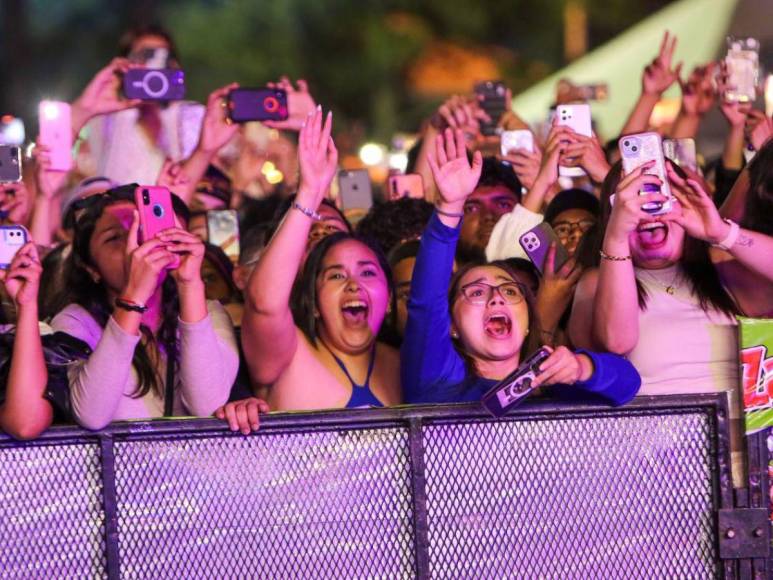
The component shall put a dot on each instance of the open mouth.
(498, 325)
(652, 235)
(355, 312)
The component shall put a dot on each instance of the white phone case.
(578, 118)
(638, 149)
(56, 133)
(519, 139)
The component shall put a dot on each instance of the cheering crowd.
(423, 299)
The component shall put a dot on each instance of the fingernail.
(254, 426)
(319, 107)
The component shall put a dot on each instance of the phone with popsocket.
(12, 239)
(56, 133)
(641, 148)
(515, 387)
(408, 185)
(154, 84)
(518, 139)
(577, 117)
(536, 243)
(263, 104)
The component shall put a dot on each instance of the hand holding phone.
(12, 239)
(578, 118)
(10, 164)
(266, 104)
(515, 387)
(536, 243)
(154, 205)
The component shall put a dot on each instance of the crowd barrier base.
(551, 491)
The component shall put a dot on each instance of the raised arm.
(616, 303)
(698, 97)
(268, 331)
(427, 354)
(25, 413)
(656, 78)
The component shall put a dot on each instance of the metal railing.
(553, 490)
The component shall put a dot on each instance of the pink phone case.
(56, 133)
(156, 213)
(638, 149)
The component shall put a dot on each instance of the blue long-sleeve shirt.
(432, 371)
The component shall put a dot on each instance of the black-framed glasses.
(564, 229)
(481, 292)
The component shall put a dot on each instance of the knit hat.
(572, 199)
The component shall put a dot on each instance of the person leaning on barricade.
(134, 304)
(460, 343)
(321, 350)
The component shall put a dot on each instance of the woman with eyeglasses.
(158, 346)
(460, 343)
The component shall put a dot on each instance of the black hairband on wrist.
(130, 305)
(449, 214)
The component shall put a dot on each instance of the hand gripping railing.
(554, 490)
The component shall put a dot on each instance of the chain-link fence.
(441, 492)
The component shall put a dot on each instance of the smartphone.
(56, 133)
(491, 97)
(519, 139)
(639, 149)
(11, 130)
(155, 208)
(409, 185)
(12, 238)
(743, 69)
(10, 164)
(223, 231)
(578, 118)
(515, 387)
(154, 84)
(682, 152)
(536, 243)
(354, 189)
(257, 105)
(593, 92)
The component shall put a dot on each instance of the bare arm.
(25, 414)
(268, 330)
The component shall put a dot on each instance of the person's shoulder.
(76, 321)
(388, 354)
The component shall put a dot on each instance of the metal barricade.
(552, 491)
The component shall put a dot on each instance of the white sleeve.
(503, 243)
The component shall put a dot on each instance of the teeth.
(501, 317)
(651, 226)
(355, 304)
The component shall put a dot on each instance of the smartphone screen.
(10, 164)
(223, 231)
(638, 149)
(56, 133)
(354, 189)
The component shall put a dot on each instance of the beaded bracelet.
(307, 212)
(605, 256)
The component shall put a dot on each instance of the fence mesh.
(51, 518)
(324, 504)
(605, 497)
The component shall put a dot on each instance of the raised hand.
(189, 249)
(454, 177)
(243, 415)
(695, 211)
(759, 128)
(526, 165)
(103, 94)
(698, 93)
(627, 209)
(659, 74)
(300, 104)
(460, 113)
(318, 158)
(145, 264)
(22, 278)
(559, 138)
(217, 129)
(48, 182)
(735, 112)
(586, 152)
(14, 203)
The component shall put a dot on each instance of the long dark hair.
(303, 302)
(81, 289)
(758, 213)
(530, 343)
(695, 262)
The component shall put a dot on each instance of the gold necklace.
(670, 288)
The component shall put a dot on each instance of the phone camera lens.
(158, 211)
(626, 143)
(145, 197)
(634, 148)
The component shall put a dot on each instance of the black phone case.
(515, 387)
(264, 104)
(493, 103)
